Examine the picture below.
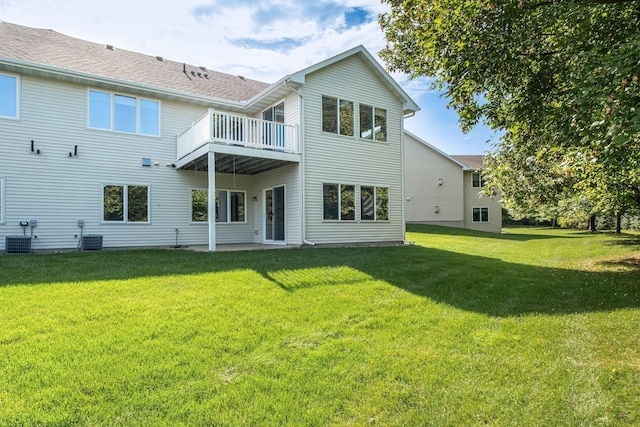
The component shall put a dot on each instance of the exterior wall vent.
(17, 244)
(91, 242)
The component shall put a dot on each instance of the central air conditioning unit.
(17, 244)
(91, 242)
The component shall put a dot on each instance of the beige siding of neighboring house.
(473, 199)
(433, 186)
(330, 158)
(57, 190)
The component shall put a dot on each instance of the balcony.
(238, 131)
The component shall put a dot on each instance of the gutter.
(302, 192)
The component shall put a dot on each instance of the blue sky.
(261, 39)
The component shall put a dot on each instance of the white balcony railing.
(222, 128)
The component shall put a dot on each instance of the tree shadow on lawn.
(472, 283)
(505, 235)
(498, 288)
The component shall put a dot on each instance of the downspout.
(211, 185)
(303, 216)
(404, 221)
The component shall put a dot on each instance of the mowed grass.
(531, 327)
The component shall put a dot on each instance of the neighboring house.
(445, 190)
(145, 151)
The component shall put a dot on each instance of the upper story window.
(9, 101)
(122, 113)
(373, 123)
(337, 116)
(477, 181)
(274, 114)
(274, 135)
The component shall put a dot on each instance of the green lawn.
(531, 327)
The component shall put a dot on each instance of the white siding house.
(446, 190)
(145, 151)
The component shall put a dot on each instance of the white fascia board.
(408, 106)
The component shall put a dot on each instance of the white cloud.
(415, 88)
(222, 35)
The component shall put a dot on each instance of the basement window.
(480, 214)
(338, 201)
(374, 203)
(125, 203)
(229, 206)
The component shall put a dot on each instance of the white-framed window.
(274, 134)
(477, 180)
(374, 203)
(125, 203)
(275, 113)
(230, 206)
(2, 198)
(338, 202)
(480, 214)
(9, 96)
(199, 205)
(337, 116)
(373, 123)
(123, 113)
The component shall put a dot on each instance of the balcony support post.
(211, 209)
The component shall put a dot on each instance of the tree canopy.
(559, 78)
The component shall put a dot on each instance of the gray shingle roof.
(472, 161)
(50, 48)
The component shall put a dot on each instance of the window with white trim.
(373, 123)
(230, 206)
(374, 203)
(337, 116)
(338, 201)
(477, 180)
(125, 203)
(121, 113)
(199, 205)
(2, 220)
(9, 99)
(480, 214)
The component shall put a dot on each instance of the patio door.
(274, 215)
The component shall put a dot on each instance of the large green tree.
(559, 78)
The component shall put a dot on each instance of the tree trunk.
(592, 224)
(618, 222)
